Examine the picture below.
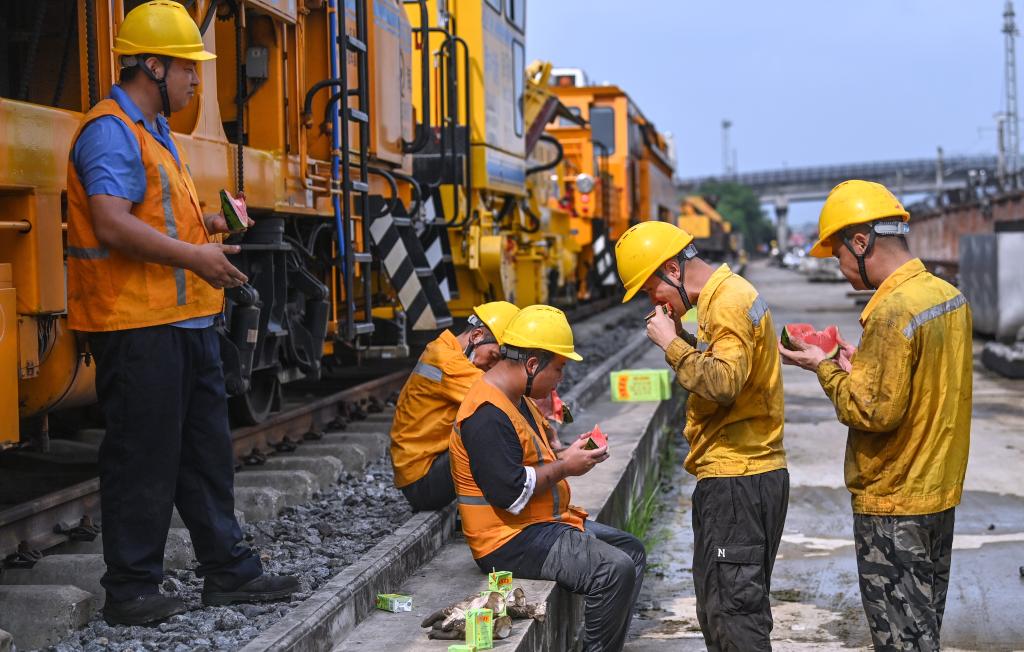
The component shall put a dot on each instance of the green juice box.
(480, 629)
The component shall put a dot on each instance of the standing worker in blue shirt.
(145, 282)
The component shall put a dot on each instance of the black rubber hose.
(417, 192)
(525, 205)
(392, 202)
(240, 99)
(211, 13)
(62, 73)
(90, 52)
(553, 164)
(458, 40)
(307, 104)
(31, 50)
(420, 141)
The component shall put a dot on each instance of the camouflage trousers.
(903, 563)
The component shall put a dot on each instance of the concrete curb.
(594, 383)
(337, 607)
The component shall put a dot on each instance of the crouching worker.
(430, 398)
(512, 490)
(734, 418)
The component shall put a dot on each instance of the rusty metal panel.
(991, 267)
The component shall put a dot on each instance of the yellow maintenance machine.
(711, 232)
(623, 168)
(392, 154)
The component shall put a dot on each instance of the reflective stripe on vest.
(935, 311)
(172, 229)
(428, 371)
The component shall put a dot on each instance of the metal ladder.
(349, 174)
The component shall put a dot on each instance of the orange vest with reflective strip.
(109, 291)
(488, 528)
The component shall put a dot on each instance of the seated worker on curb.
(905, 395)
(734, 418)
(512, 490)
(430, 398)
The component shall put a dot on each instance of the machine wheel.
(255, 406)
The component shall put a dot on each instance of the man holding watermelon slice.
(905, 394)
(734, 420)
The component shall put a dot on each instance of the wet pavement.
(815, 597)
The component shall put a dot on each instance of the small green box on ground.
(640, 385)
(500, 581)
(461, 648)
(394, 602)
(480, 629)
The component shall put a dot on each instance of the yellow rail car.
(626, 166)
(711, 232)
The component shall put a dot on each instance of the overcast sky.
(805, 82)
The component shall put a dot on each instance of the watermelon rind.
(227, 206)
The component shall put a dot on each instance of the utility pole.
(1012, 127)
(728, 169)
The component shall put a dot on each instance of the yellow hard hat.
(854, 202)
(643, 248)
(495, 316)
(161, 27)
(541, 327)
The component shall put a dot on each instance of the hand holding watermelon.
(805, 347)
(233, 217)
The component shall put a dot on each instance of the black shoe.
(265, 588)
(143, 610)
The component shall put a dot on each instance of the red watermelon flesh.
(235, 211)
(596, 439)
(827, 340)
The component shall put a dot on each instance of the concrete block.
(353, 456)
(375, 443)
(258, 503)
(38, 616)
(5, 641)
(326, 469)
(178, 552)
(297, 487)
(176, 520)
(82, 571)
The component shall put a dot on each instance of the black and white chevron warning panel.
(604, 257)
(406, 264)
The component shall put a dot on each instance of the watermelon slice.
(596, 439)
(235, 212)
(827, 340)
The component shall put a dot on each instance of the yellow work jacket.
(108, 290)
(488, 528)
(734, 413)
(907, 399)
(427, 406)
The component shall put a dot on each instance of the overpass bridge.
(904, 177)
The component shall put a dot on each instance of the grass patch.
(646, 506)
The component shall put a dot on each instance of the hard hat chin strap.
(161, 82)
(512, 353)
(686, 254)
(889, 228)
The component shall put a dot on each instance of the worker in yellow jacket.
(734, 420)
(905, 394)
(513, 492)
(430, 398)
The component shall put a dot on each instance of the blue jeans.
(167, 443)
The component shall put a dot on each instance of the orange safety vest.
(488, 528)
(426, 408)
(107, 290)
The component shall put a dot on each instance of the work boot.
(143, 610)
(265, 588)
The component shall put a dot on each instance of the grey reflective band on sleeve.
(473, 500)
(935, 311)
(757, 311)
(428, 371)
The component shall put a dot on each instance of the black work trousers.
(607, 566)
(167, 443)
(737, 527)
(435, 490)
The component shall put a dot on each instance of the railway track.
(71, 513)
